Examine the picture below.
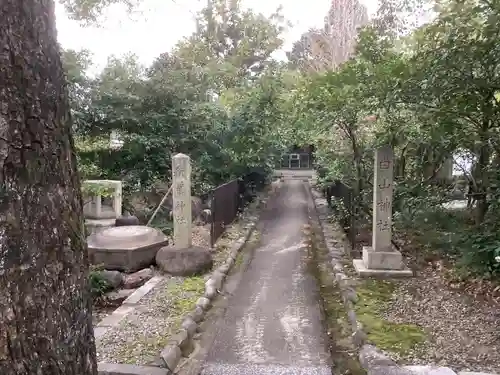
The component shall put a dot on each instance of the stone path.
(273, 321)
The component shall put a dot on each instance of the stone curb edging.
(126, 307)
(124, 369)
(372, 359)
(336, 250)
(181, 344)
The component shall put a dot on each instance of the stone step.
(257, 369)
(432, 370)
(417, 370)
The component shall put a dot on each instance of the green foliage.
(90, 11)
(216, 96)
(430, 94)
(98, 286)
(480, 254)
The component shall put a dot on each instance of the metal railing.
(343, 206)
(230, 198)
(225, 204)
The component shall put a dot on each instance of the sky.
(157, 25)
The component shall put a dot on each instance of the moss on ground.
(343, 352)
(185, 294)
(374, 297)
(251, 245)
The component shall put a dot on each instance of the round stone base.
(128, 248)
(189, 261)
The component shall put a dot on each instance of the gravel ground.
(142, 334)
(464, 332)
(201, 236)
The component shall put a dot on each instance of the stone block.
(184, 262)
(430, 370)
(171, 355)
(116, 317)
(183, 341)
(382, 260)
(382, 199)
(190, 326)
(142, 291)
(203, 303)
(122, 369)
(113, 278)
(197, 314)
(128, 248)
(210, 292)
(363, 271)
(137, 279)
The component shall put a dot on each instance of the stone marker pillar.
(382, 200)
(381, 258)
(183, 258)
(181, 192)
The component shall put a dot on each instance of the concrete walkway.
(273, 321)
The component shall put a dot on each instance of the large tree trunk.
(45, 302)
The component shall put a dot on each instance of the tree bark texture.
(45, 302)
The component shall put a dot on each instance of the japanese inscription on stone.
(382, 200)
(181, 167)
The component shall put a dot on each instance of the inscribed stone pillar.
(382, 199)
(381, 259)
(181, 173)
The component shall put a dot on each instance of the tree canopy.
(430, 91)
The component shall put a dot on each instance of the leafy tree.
(457, 67)
(232, 44)
(90, 11)
(430, 94)
(329, 47)
(76, 64)
(190, 100)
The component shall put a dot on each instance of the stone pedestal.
(381, 264)
(381, 258)
(128, 248)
